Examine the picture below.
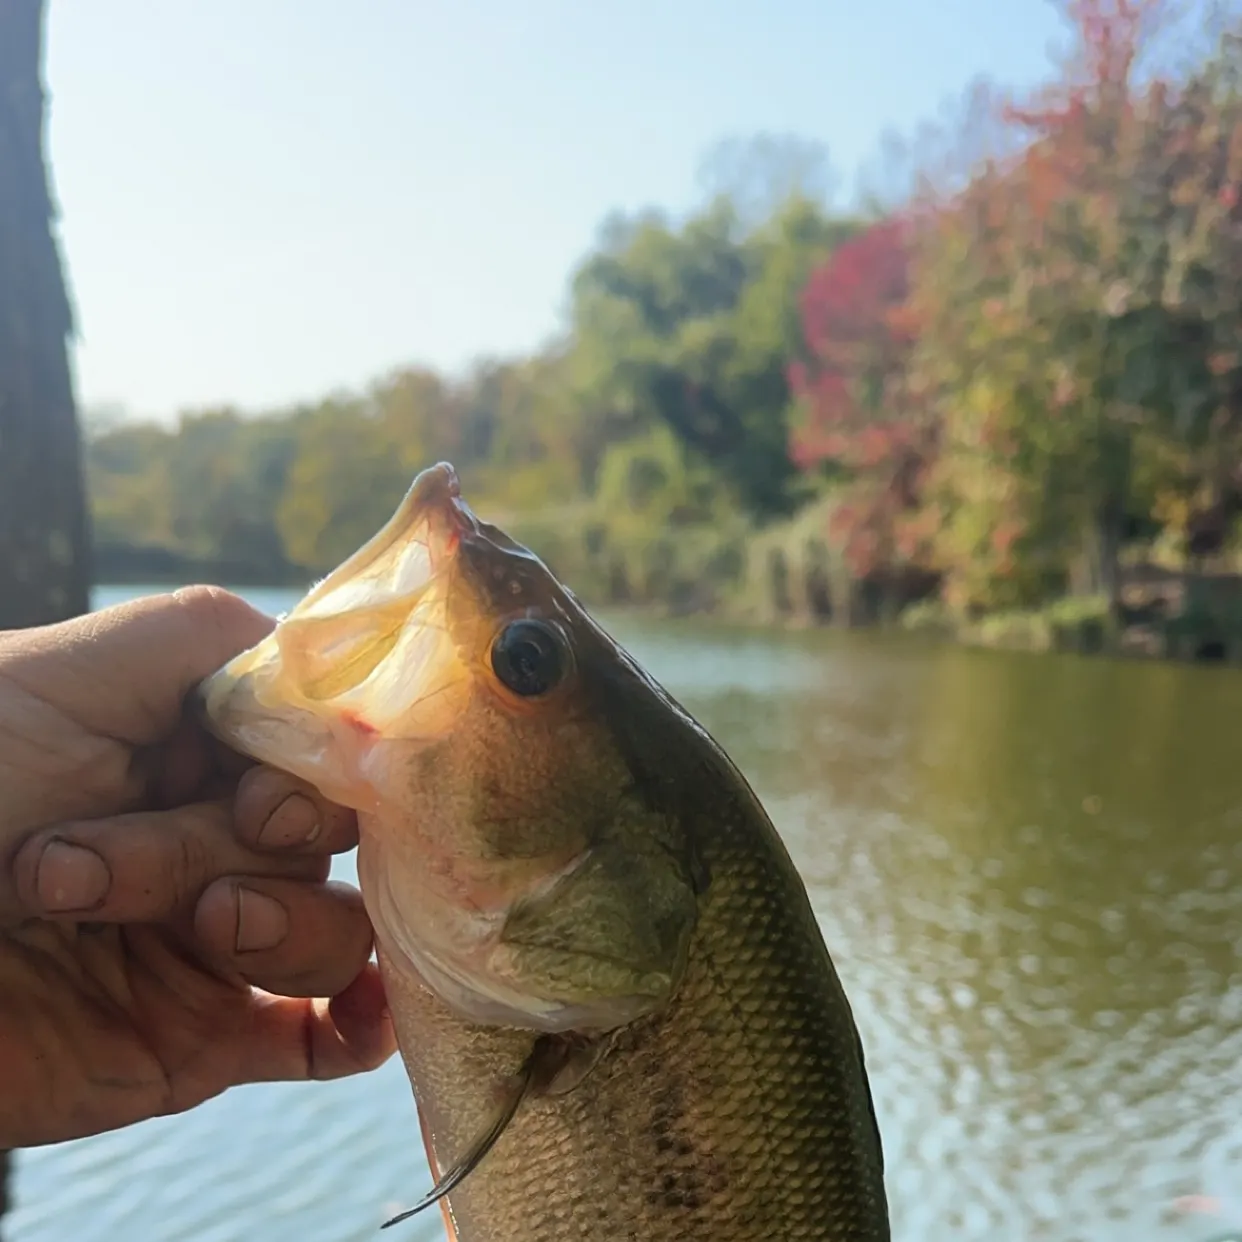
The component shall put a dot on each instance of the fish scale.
(613, 1000)
(742, 1114)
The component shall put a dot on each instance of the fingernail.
(262, 921)
(295, 821)
(71, 877)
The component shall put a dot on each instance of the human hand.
(166, 928)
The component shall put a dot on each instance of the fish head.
(514, 856)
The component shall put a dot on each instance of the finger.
(226, 761)
(292, 1040)
(284, 936)
(139, 868)
(275, 811)
(124, 672)
(180, 770)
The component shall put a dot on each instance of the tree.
(347, 476)
(761, 173)
(860, 420)
(44, 544)
(44, 566)
(941, 155)
(1177, 319)
(1081, 317)
(691, 328)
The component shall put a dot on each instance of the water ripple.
(1029, 873)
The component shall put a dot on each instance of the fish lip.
(257, 682)
(433, 507)
(436, 493)
(437, 487)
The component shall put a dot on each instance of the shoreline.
(1199, 626)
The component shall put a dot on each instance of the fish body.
(593, 941)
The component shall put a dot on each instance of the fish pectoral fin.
(555, 1066)
(563, 1061)
(609, 941)
(513, 1093)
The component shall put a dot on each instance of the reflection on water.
(1028, 870)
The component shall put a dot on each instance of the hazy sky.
(264, 199)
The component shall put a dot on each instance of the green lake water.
(1029, 871)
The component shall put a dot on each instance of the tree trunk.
(45, 570)
(1107, 530)
(1108, 550)
(44, 545)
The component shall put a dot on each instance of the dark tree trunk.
(1108, 532)
(1107, 535)
(44, 544)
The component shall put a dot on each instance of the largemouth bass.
(612, 998)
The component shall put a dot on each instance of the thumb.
(124, 672)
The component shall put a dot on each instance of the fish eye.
(529, 657)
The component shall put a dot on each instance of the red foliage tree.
(857, 410)
(1081, 316)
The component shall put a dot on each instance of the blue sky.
(265, 199)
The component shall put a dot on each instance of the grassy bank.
(1165, 614)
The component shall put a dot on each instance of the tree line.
(999, 382)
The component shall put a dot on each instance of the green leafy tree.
(692, 328)
(347, 476)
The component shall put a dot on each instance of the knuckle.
(218, 620)
(260, 790)
(192, 859)
(215, 918)
(211, 606)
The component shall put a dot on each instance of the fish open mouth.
(366, 653)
